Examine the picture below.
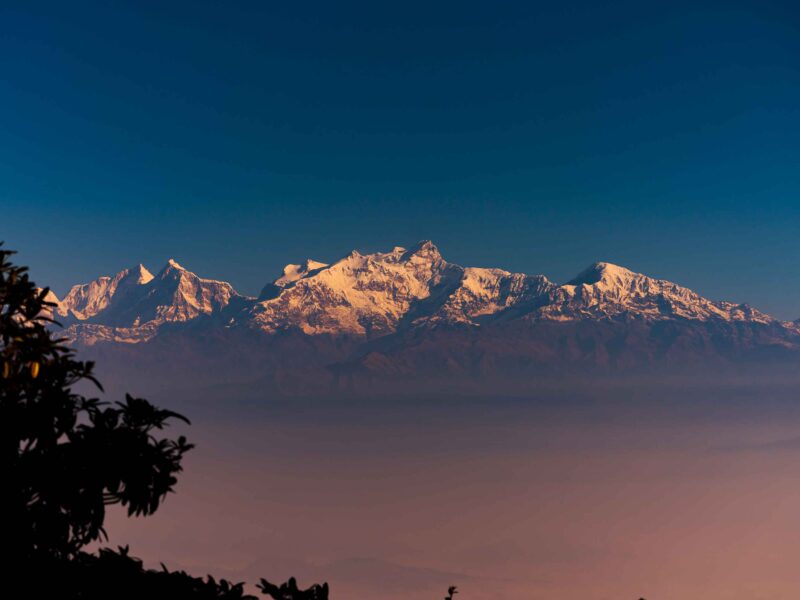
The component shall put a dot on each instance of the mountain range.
(410, 312)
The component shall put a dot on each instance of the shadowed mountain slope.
(410, 312)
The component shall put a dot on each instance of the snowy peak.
(379, 293)
(484, 295)
(136, 298)
(50, 312)
(605, 290)
(172, 266)
(85, 301)
(292, 273)
(141, 274)
(360, 294)
(178, 295)
(50, 296)
(614, 282)
(425, 250)
(603, 272)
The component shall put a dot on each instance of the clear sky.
(239, 136)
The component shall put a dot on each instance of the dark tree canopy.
(66, 457)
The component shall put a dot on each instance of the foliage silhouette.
(65, 457)
(289, 591)
(116, 574)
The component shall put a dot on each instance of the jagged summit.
(136, 299)
(85, 301)
(141, 273)
(171, 265)
(423, 249)
(360, 294)
(292, 273)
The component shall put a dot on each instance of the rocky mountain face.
(362, 295)
(83, 302)
(608, 291)
(134, 304)
(409, 311)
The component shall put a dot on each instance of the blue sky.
(237, 137)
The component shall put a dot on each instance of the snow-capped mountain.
(87, 300)
(392, 305)
(133, 304)
(609, 291)
(357, 295)
(291, 274)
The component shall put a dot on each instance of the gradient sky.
(239, 136)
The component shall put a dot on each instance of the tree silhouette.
(290, 591)
(66, 457)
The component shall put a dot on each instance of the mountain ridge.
(402, 305)
(369, 284)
